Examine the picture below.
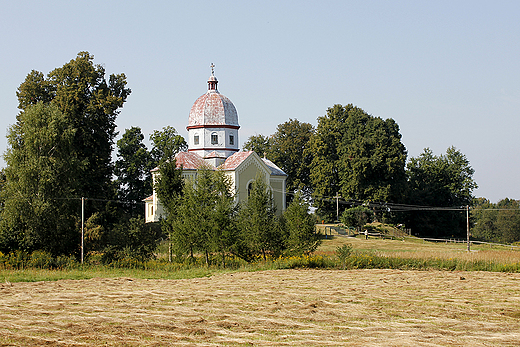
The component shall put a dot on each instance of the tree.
(496, 222)
(258, 224)
(372, 159)
(203, 220)
(358, 156)
(356, 217)
(257, 143)
(165, 145)
(41, 180)
(440, 181)
(508, 220)
(288, 150)
(91, 104)
(484, 216)
(132, 170)
(299, 228)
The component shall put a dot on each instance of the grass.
(374, 253)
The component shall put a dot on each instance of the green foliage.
(90, 103)
(299, 228)
(343, 252)
(169, 186)
(496, 222)
(357, 217)
(165, 145)
(259, 144)
(203, 220)
(42, 172)
(59, 149)
(133, 239)
(41, 259)
(359, 156)
(287, 149)
(440, 181)
(258, 225)
(132, 170)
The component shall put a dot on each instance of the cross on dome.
(212, 82)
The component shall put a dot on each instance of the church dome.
(213, 109)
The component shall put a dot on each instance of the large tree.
(444, 181)
(287, 149)
(91, 104)
(257, 143)
(41, 180)
(132, 170)
(358, 156)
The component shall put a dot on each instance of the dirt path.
(271, 308)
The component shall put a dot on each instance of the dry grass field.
(268, 308)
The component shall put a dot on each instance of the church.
(213, 141)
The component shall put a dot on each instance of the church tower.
(213, 125)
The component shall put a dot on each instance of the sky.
(448, 72)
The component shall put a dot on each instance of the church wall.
(245, 176)
(200, 141)
(278, 189)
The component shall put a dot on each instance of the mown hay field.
(268, 308)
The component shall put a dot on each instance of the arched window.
(214, 139)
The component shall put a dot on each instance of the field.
(306, 307)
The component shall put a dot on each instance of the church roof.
(236, 159)
(275, 170)
(213, 108)
(190, 161)
(214, 154)
(233, 161)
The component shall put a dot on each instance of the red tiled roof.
(214, 154)
(189, 161)
(233, 161)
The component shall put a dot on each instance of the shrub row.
(344, 258)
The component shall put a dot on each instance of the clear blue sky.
(448, 72)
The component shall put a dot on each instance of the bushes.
(18, 260)
(343, 258)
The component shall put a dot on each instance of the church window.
(214, 139)
(231, 140)
(196, 139)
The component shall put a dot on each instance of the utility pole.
(82, 225)
(467, 226)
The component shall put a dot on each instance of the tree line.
(60, 150)
(353, 159)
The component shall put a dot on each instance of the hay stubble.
(268, 308)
